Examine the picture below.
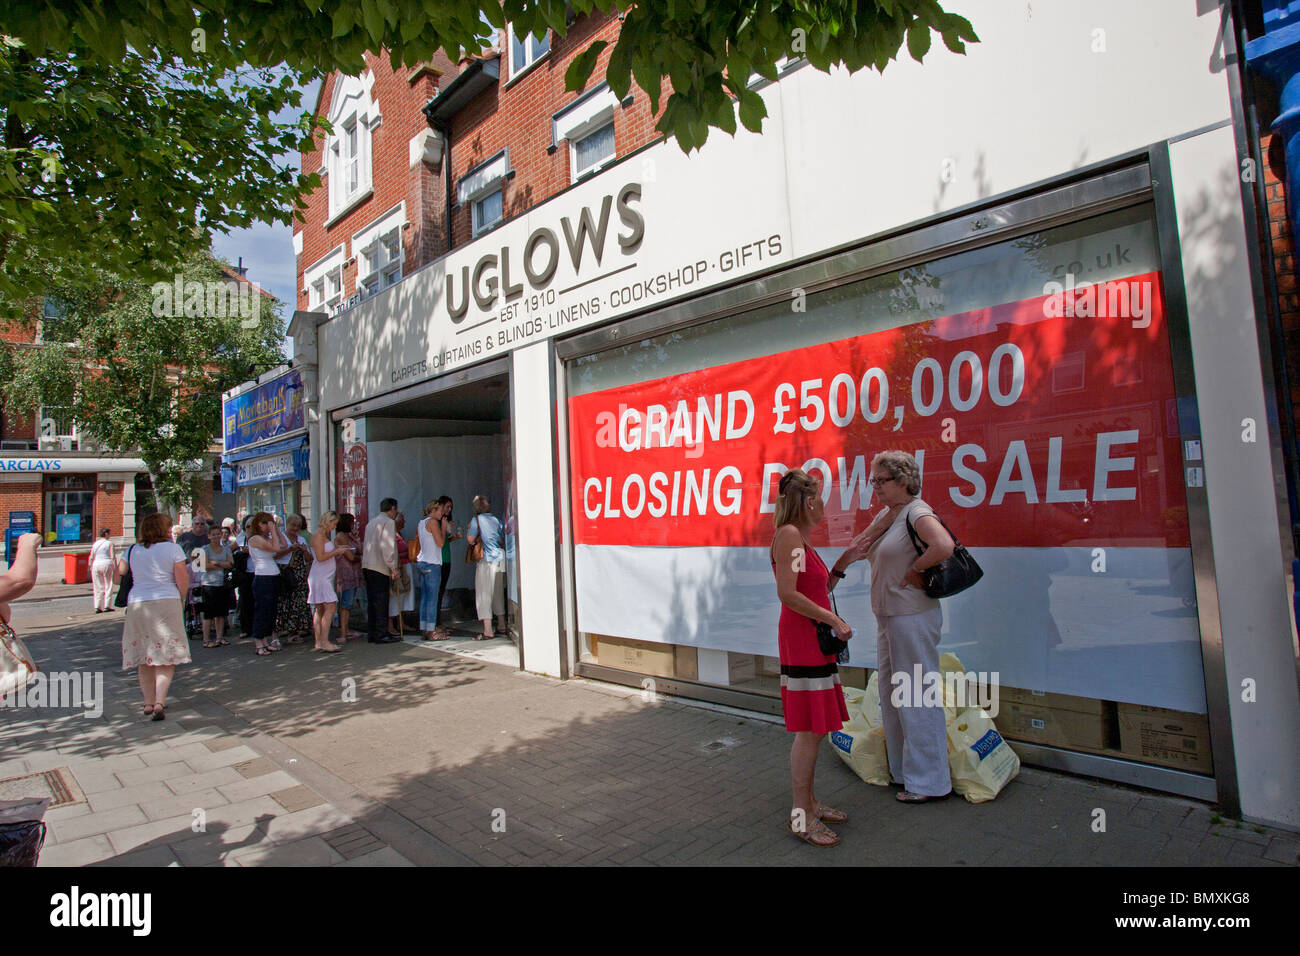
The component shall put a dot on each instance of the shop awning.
(273, 448)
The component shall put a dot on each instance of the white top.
(430, 550)
(262, 562)
(101, 552)
(891, 556)
(152, 572)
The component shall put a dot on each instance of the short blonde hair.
(796, 487)
(900, 464)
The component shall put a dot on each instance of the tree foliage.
(128, 164)
(707, 48)
(140, 383)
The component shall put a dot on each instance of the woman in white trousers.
(102, 558)
(908, 628)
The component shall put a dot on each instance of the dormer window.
(354, 115)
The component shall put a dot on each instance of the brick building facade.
(504, 120)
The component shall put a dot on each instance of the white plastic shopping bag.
(980, 761)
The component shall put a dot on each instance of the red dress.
(811, 695)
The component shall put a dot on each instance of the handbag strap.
(911, 533)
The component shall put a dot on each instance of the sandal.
(159, 713)
(327, 650)
(817, 834)
(223, 643)
(907, 796)
(148, 710)
(831, 815)
(263, 652)
(274, 644)
(210, 644)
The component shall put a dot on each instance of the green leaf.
(580, 69)
(752, 111)
(918, 40)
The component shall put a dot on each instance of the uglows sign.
(496, 278)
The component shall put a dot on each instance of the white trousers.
(489, 589)
(916, 737)
(101, 575)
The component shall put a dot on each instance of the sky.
(267, 250)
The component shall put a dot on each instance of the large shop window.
(1033, 380)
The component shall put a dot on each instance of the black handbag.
(957, 573)
(124, 589)
(826, 639)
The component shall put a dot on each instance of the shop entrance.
(453, 441)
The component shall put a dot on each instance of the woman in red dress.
(810, 682)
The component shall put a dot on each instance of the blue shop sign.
(267, 411)
(289, 464)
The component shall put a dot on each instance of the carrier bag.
(980, 762)
(860, 743)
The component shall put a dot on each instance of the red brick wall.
(518, 115)
(1282, 250)
(108, 509)
(401, 94)
(22, 496)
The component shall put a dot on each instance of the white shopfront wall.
(1049, 121)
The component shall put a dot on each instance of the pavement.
(416, 754)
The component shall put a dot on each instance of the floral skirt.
(292, 613)
(154, 634)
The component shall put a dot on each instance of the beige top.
(379, 551)
(891, 556)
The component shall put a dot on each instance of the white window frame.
(347, 168)
(369, 242)
(579, 120)
(323, 281)
(519, 69)
(483, 180)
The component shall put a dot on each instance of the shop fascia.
(492, 277)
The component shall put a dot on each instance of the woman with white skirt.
(320, 582)
(153, 638)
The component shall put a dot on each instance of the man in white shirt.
(379, 565)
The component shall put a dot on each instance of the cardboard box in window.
(1039, 698)
(1052, 727)
(643, 657)
(853, 677)
(1170, 738)
(740, 668)
(686, 662)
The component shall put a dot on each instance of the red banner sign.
(1039, 423)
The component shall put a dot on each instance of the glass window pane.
(594, 148)
(489, 210)
(1064, 438)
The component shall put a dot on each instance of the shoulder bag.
(124, 589)
(957, 573)
(826, 639)
(16, 663)
(474, 552)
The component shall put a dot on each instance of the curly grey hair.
(900, 465)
